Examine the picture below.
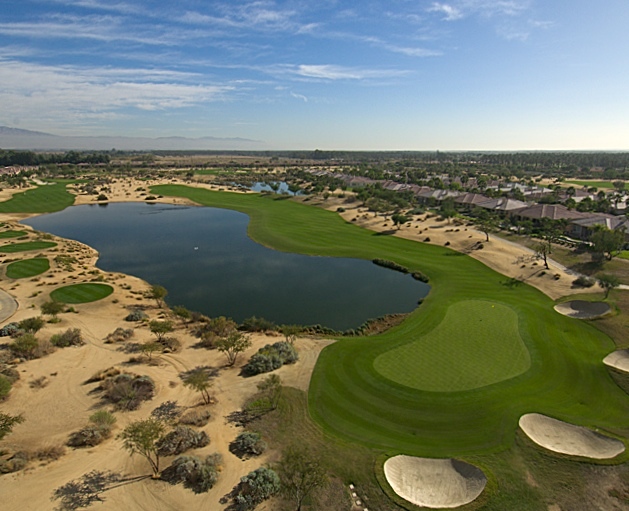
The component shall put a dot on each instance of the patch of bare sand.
(582, 309)
(564, 438)
(506, 257)
(64, 402)
(434, 483)
(618, 359)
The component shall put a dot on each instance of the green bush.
(254, 324)
(32, 325)
(197, 474)
(136, 315)
(5, 387)
(71, 337)
(25, 346)
(255, 488)
(271, 357)
(248, 444)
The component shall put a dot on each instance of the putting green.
(477, 344)
(81, 293)
(27, 268)
(26, 246)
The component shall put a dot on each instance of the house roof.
(552, 211)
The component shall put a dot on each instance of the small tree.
(157, 293)
(399, 220)
(608, 282)
(52, 308)
(141, 437)
(148, 348)
(198, 379)
(7, 422)
(160, 328)
(300, 474)
(608, 241)
(234, 344)
(541, 251)
(487, 223)
(291, 332)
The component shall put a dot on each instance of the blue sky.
(371, 74)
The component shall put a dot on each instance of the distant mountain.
(14, 138)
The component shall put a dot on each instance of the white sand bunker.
(618, 360)
(581, 309)
(433, 483)
(565, 438)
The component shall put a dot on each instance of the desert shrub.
(102, 197)
(10, 374)
(71, 337)
(255, 488)
(103, 419)
(110, 372)
(10, 329)
(181, 312)
(136, 315)
(198, 474)
(583, 281)
(181, 439)
(195, 418)
(170, 344)
(89, 436)
(44, 347)
(168, 411)
(5, 387)
(24, 346)
(254, 324)
(385, 263)
(18, 461)
(248, 444)
(150, 197)
(214, 329)
(49, 453)
(32, 325)
(271, 357)
(119, 335)
(126, 391)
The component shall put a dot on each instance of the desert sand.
(564, 438)
(434, 483)
(581, 309)
(618, 359)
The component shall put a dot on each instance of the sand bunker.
(581, 309)
(565, 438)
(618, 360)
(434, 483)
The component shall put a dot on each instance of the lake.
(206, 261)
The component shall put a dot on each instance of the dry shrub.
(38, 383)
(195, 418)
(180, 439)
(110, 372)
(44, 347)
(126, 391)
(119, 335)
(49, 453)
(198, 474)
(13, 463)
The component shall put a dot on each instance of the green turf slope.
(352, 400)
(43, 199)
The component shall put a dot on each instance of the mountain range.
(19, 139)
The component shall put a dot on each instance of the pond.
(206, 261)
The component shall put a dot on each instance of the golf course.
(455, 377)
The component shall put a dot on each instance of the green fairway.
(28, 268)
(11, 234)
(477, 344)
(43, 199)
(81, 293)
(604, 185)
(557, 370)
(26, 246)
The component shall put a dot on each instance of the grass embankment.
(28, 268)
(594, 184)
(81, 293)
(43, 199)
(27, 246)
(350, 399)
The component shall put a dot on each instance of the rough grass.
(28, 268)
(352, 401)
(11, 234)
(26, 246)
(477, 344)
(43, 199)
(597, 184)
(81, 293)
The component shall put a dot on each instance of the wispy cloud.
(69, 93)
(299, 96)
(333, 72)
(450, 12)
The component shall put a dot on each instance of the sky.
(325, 74)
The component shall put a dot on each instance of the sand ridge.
(565, 438)
(434, 483)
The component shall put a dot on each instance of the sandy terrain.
(434, 483)
(564, 438)
(581, 309)
(618, 359)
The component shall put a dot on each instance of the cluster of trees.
(29, 158)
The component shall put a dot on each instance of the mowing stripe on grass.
(28, 268)
(11, 234)
(43, 199)
(81, 293)
(477, 344)
(26, 246)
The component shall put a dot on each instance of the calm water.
(206, 261)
